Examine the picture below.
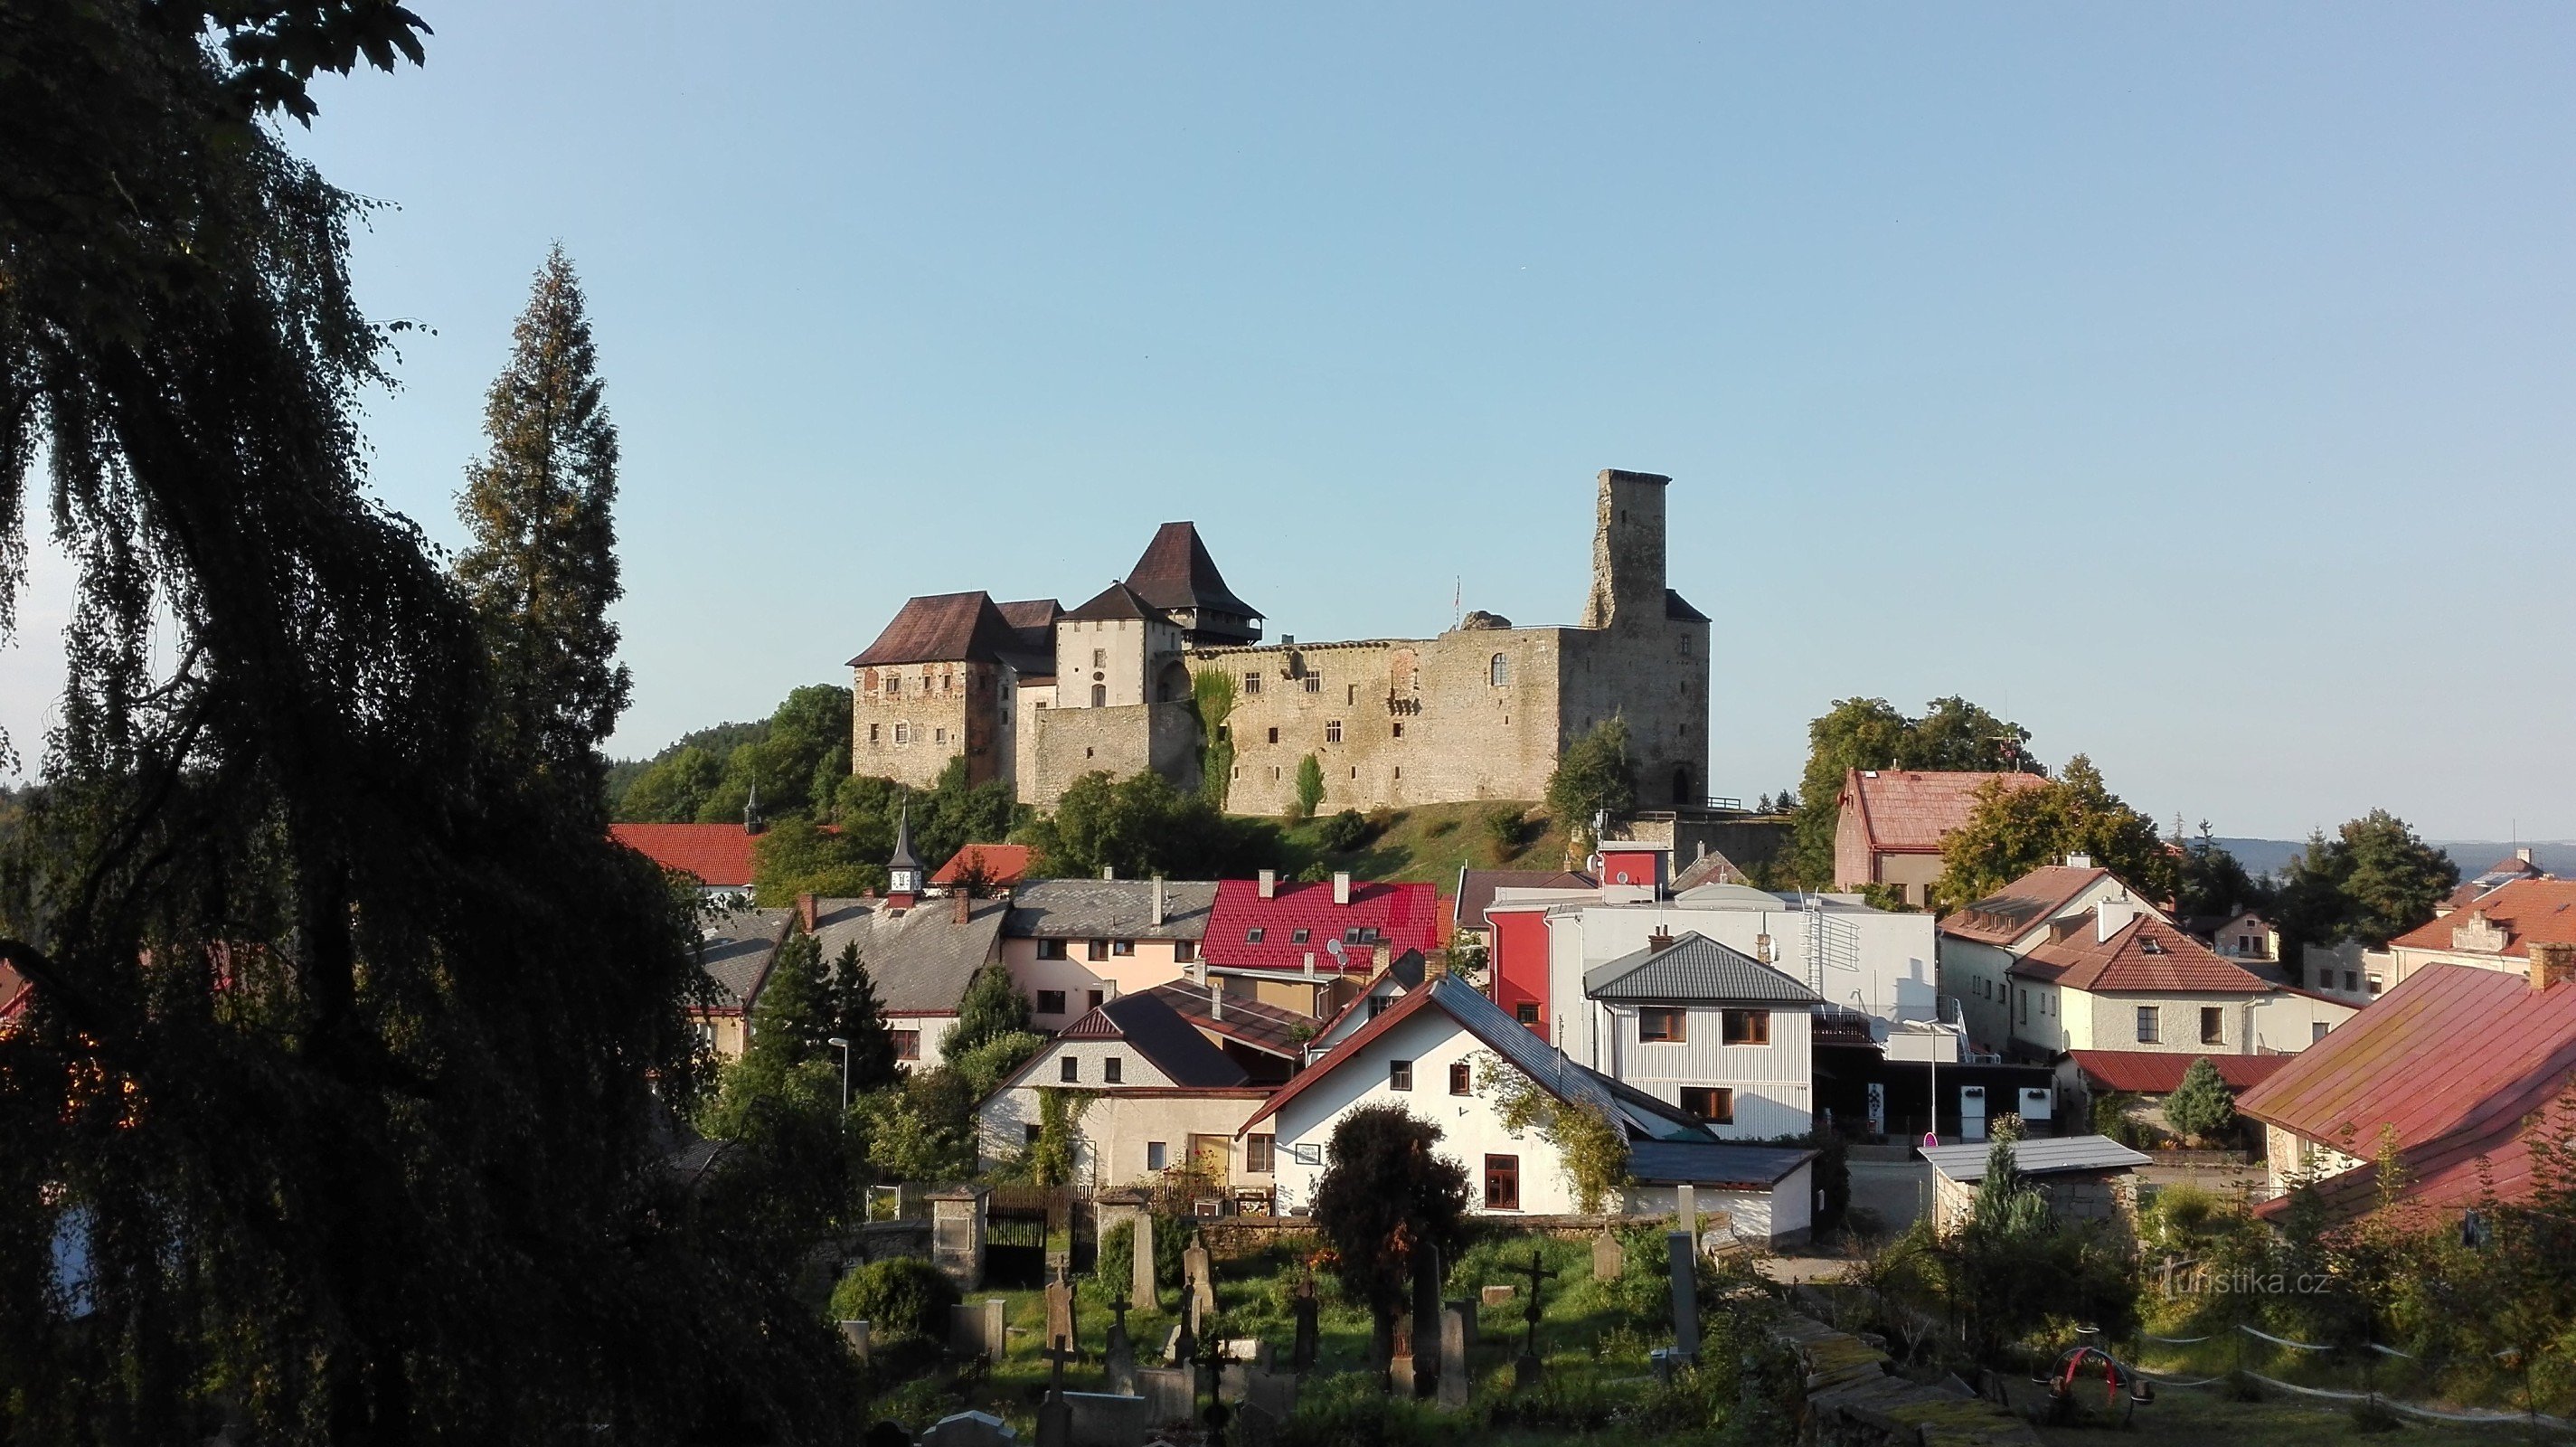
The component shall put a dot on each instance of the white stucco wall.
(934, 1032)
(1774, 1084)
(1117, 1128)
(1889, 949)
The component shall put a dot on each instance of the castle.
(1039, 695)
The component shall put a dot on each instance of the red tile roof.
(2528, 911)
(2146, 956)
(1908, 811)
(1406, 917)
(2157, 1072)
(1003, 863)
(718, 854)
(2013, 911)
(2457, 1061)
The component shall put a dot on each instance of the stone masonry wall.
(940, 710)
(1119, 740)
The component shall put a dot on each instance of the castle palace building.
(1039, 695)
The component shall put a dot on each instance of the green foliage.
(993, 1006)
(797, 856)
(2011, 1266)
(2013, 832)
(671, 790)
(2201, 1106)
(1592, 1149)
(902, 1296)
(1052, 1156)
(990, 1062)
(794, 766)
(1310, 786)
(922, 1129)
(1593, 777)
(2213, 881)
(1212, 692)
(2008, 1128)
(1502, 829)
(2374, 880)
(1384, 1195)
(1345, 832)
(1869, 733)
(2180, 1212)
(858, 1016)
(1141, 826)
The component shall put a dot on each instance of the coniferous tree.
(541, 571)
(993, 1007)
(859, 1017)
(2201, 1105)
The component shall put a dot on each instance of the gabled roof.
(944, 628)
(2456, 1060)
(920, 959)
(1002, 863)
(718, 855)
(2158, 1072)
(1709, 868)
(1266, 1028)
(1406, 916)
(1642, 1116)
(2019, 907)
(1175, 572)
(1476, 890)
(1159, 1033)
(1405, 972)
(1115, 603)
(2146, 956)
(2529, 911)
(737, 949)
(1100, 909)
(1910, 811)
(2040, 1156)
(1034, 620)
(1693, 969)
(1679, 611)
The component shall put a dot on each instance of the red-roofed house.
(1893, 822)
(1266, 925)
(1980, 944)
(2462, 1119)
(2494, 932)
(2150, 1076)
(718, 855)
(1000, 864)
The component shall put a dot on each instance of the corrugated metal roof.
(1266, 1028)
(2157, 1072)
(2043, 1157)
(1719, 1164)
(1693, 969)
(1160, 1034)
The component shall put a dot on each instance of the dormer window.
(1253, 935)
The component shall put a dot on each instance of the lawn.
(1430, 843)
(2203, 1418)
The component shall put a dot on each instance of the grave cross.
(1118, 1312)
(1057, 1355)
(1212, 1357)
(1536, 1273)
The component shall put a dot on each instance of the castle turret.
(903, 871)
(1628, 552)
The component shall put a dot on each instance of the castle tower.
(1628, 552)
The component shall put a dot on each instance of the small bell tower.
(903, 871)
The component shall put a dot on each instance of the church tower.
(1628, 552)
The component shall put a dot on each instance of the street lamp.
(837, 1043)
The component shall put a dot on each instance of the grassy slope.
(1430, 843)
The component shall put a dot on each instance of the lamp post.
(837, 1043)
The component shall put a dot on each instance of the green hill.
(1429, 843)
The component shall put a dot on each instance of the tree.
(858, 1016)
(2015, 831)
(1212, 691)
(2374, 880)
(1869, 733)
(922, 1129)
(1310, 786)
(993, 1006)
(541, 570)
(796, 764)
(796, 856)
(671, 790)
(2201, 1106)
(354, 1042)
(1593, 778)
(1141, 825)
(1591, 1148)
(2211, 880)
(1384, 1196)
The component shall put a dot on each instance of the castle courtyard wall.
(1119, 741)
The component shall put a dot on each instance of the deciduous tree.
(1870, 733)
(1593, 778)
(1384, 1196)
(2015, 831)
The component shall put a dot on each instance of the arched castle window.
(1100, 695)
(1498, 672)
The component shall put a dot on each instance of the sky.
(2194, 384)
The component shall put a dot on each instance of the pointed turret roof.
(1176, 572)
(903, 855)
(1114, 603)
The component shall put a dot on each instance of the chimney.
(2523, 854)
(1158, 901)
(1270, 884)
(1109, 871)
(1341, 886)
(1379, 959)
(2552, 961)
(1434, 966)
(1198, 969)
(1660, 941)
(2111, 917)
(1216, 1001)
(805, 912)
(965, 906)
(2079, 861)
(1310, 964)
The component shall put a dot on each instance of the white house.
(1431, 1052)
(1705, 1028)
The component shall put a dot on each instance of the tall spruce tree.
(542, 569)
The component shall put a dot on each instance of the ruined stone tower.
(1628, 552)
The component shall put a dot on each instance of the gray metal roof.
(1159, 1034)
(1553, 1071)
(2042, 1157)
(1695, 970)
(1713, 1163)
(921, 959)
(1098, 909)
(736, 950)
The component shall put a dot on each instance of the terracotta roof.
(14, 990)
(1157, 1032)
(1476, 890)
(945, 628)
(1266, 1028)
(1002, 863)
(2157, 1072)
(2016, 909)
(2528, 911)
(1176, 572)
(1405, 916)
(2146, 956)
(1909, 811)
(2456, 1060)
(1115, 602)
(719, 855)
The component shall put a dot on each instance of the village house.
(2143, 1078)
(2493, 932)
(921, 953)
(735, 950)
(1267, 1041)
(1405, 972)
(1706, 1028)
(2523, 864)
(1477, 888)
(2458, 1069)
(2245, 937)
(718, 856)
(1273, 940)
(1072, 945)
(1893, 822)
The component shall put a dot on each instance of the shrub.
(2201, 1106)
(1502, 828)
(1310, 786)
(902, 1296)
(1345, 832)
(2009, 1127)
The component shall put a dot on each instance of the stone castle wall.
(1120, 740)
(907, 722)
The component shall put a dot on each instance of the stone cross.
(1121, 1355)
(1301, 1355)
(1055, 1414)
(1141, 1289)
(1211, 1357)
(1684, 1255)
(1525, 1371)
(1060, 1310)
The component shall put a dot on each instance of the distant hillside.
(2558, 856)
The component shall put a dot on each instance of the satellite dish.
(1334, 948)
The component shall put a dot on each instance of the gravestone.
(1457, 1322)
(1059, 1310)
(1684, 1264)
(1496, 1295)
(1121, 1355)
(1609, 1258)
(1202, 1282)
(1167, 1393)
(1400, 1366)
(1183, 1348)
(1141, 1289)
(1465, 1306)
(1426, 1321)
(1055, 1415)
(1686, 1210)
(975, 1329)
(969, 1429)
(1301, 1354)
(1273, 1392)
(1256, 1426)
(856, 1334)
(1107, 1419)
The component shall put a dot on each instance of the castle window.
(1314, 683)
(1332, 731)
(1355, 771)
(1353, 691)
(1100, 695)
(1399, 728)
(894, 685)
(1252, 680)
(872, 733)
(903, 733)
(1100, 658)
(1399, 771)
(1274, 738)
(1274, 768)
(1498, 672)
(1685, 643)
(939, 736)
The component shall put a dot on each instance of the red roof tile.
(2157, 1072)
(718, 854)
(2527, 910)
(2461, 1063)
(2011, 912)
(1909, 811)
(2147, 955)
(1406, 917)
(1003, 863)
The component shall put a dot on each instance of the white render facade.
(1770, 1087)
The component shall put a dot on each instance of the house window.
(1100, 695)
(903, 733)
(2351, 980)
(1745, 1027)
(1050, 949)
(1095, 949)
(1712, 1103)
(1526, 1012)
(1253, 935)
(1051, 1002)
(907, 1044)
(1378, 1004)
(2316, 1031)
(1274, 738)
(1122, 947)
(1497, 673)
(1157, 1155)
(872, 733)
(1459, 1084)
(2213, 1025)
(1071, 1071)
(1671, 1027)
(1184, 951)
(1332, 731)
(2024, 997)
(1299, 935)
(894, 685)
(2148, 1031)
(2374, 984)
(1399, 1075)
(1094, 999)
(1314, 683)
(1257, 1152)
(1113, 1070)
(1502, 1183)
(1029, 1132)
(1252, 680)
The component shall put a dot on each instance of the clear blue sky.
(2193, 384)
